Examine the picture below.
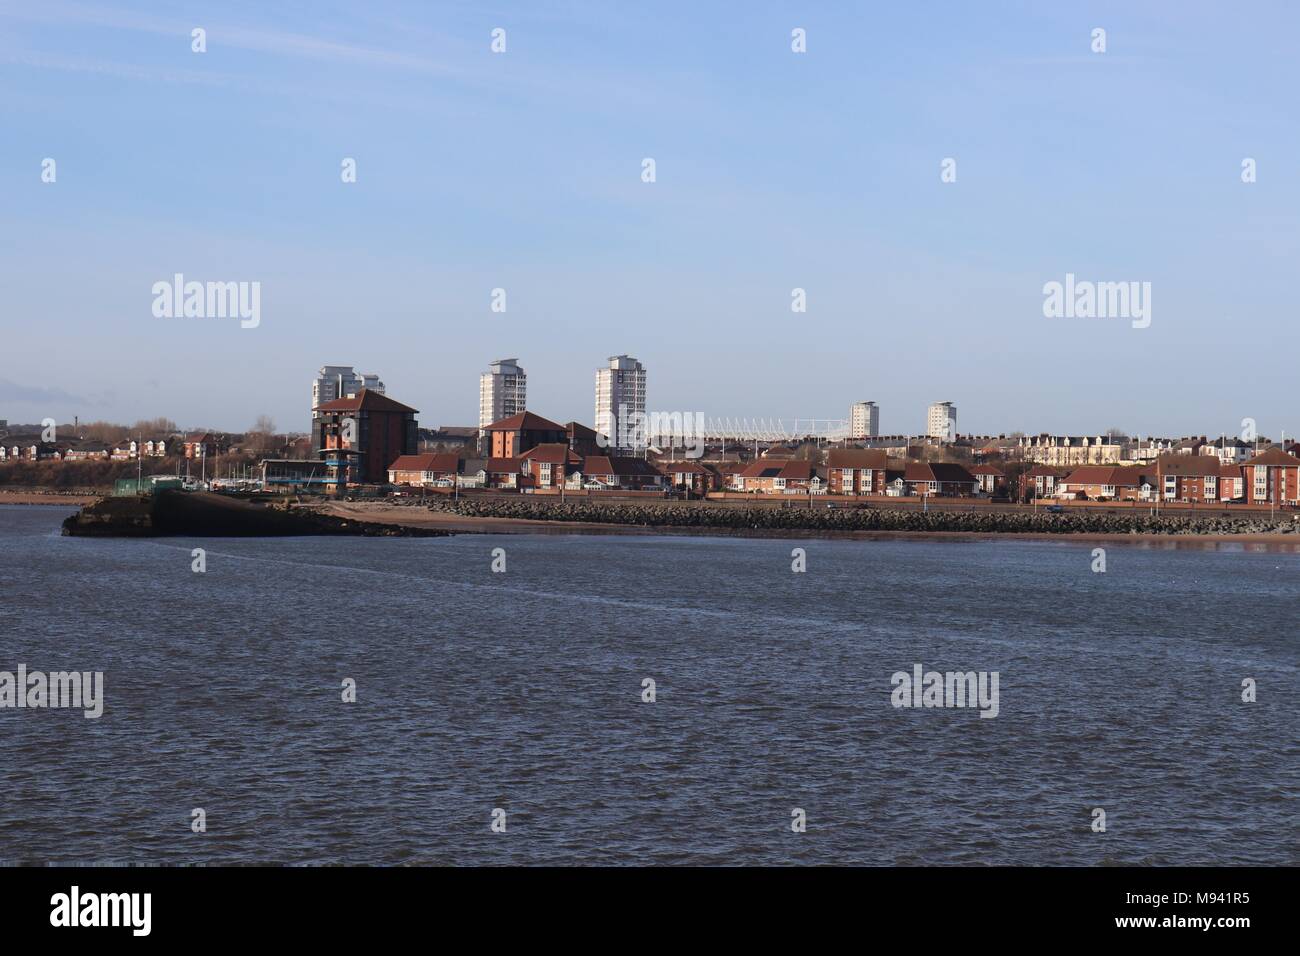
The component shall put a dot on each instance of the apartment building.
(1187, 476)
(620, 402)
(864, 420)
(1272, 477)
(856, 471)
(341, 381)
(502, 392)
(359, 437)
(941, 421)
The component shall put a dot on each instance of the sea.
(632, 700)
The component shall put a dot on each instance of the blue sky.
(775, 170)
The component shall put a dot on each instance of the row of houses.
(197, 446)
(550, 466)
(31, 448)
(553, 465)
(529, 452)
(1273, 476)
(1079, 450)
(371, 439)
(864, 472)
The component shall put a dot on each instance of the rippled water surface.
(522, 691)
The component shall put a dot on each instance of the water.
(522, 691)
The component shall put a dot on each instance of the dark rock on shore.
(867, 519)
(200, 514)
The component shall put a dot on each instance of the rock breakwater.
(869, 519)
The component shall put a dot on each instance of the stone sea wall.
(868, 519)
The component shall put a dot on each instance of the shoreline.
(72, 500)
(423, 520)
(462, 524)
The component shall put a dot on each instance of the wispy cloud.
(459, 63)
(278, 43)
(11, 391)
(129, 71)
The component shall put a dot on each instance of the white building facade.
(941, 421)
(864, 420)
(620, 402)
(502, 392)
(341, 381)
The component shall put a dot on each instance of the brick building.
(360, 436)
(428, 469)
(1272, 476)
(856, 471)
(511, 437)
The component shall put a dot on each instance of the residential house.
(989, 479)
(943, 478)
(780, 476)
(455, 438)
(1187, 476)
(1189, 446)
(1002, 446)
(88, 451)
(1072, 450)
(1146, 450)
(1042, 480)
(618, 471)
(28, 448)
(1272, 477)
(430, 470)
(1230, 451)
(689, 475)
(1232, 483)
(583, 440)
(511, 437)
(856, 471)
(898, 446)
(507, 474)
(1108, 483)
(125, 450)
(19, 447)
(206, 445)
(549, 465)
